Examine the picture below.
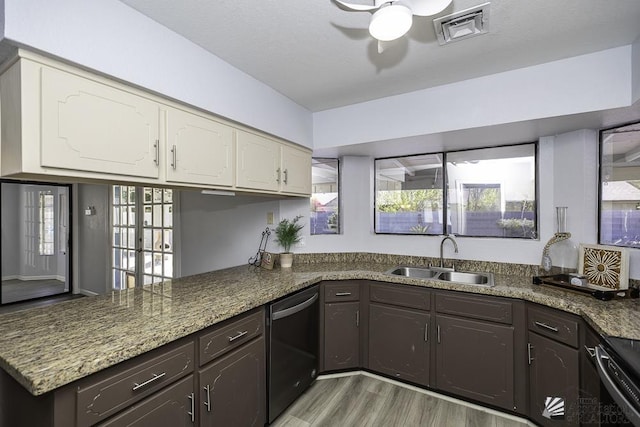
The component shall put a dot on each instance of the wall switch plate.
(269, 218)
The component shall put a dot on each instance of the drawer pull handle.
(343, 294)
(278, 171)
(193, 407)
(207, 403)
(286, 176)
(155, 377)
(548, 327)
(438, 333)
(156, 147)
(426, 332)
(174, 154)
(529, 347)
(238, 336)
(357, 318)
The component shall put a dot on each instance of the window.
(46, 229)
(409, 195)
(620, 186)
(490, 192)
(325, 197)
(142, 247)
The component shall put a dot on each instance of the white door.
(199, 150)
(258, 164)
(296, 171)
(142, 236)
(92, 127)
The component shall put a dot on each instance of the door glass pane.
(148, 239)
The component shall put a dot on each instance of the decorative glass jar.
(560, 254)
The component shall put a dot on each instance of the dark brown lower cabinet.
(173, 406)
(553, 381)
(342, 336)
(232, 388)
(475, 359)
(399, 343)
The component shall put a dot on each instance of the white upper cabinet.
(59, 121)
(296, 170)
(92, 127)
(258, 165)
(266, 164)
(199, 150)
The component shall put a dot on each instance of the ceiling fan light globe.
(390, 22)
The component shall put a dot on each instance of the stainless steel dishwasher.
(293, 348)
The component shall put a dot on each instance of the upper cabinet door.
(199, 150)
(93, 127)
(296, 170)
(258, 164)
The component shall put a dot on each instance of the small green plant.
(288, 232)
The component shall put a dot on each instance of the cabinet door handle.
(207, 402)
(278, 178)
(174, 151)
(343, 294)
(529, 358)
(358, 318)
(286, 175)
(238, 335)
(548, 327)
(193, 407)
(155, 377)
(438, 333)
(426, 332)
(156, 147)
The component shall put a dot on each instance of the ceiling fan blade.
(427, 7)
(356, 7)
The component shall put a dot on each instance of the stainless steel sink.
(416, 272)
(468, 278)
(480, 279)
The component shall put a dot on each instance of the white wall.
(593, 82)
(222, 231)
(567, 177)
(111, 37)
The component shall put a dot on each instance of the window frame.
(446, 225)
(601, 132)
(339, 204)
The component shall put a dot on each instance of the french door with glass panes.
(142, 236)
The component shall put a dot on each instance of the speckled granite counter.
(45, 348)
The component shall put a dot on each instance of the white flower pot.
(286, 259)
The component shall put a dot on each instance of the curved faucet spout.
(455, 247)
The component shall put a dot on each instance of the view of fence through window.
(325, 196)
(490, 192)
(620, 186)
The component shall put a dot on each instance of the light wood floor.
(362, 400)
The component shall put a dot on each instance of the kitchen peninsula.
(44, 349)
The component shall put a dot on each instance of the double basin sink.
(445, 275)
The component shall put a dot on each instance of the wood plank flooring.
(360, 400)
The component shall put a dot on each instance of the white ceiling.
(322, 57)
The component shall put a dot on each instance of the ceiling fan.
(392, 19)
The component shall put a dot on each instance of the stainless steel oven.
(293, 348)
(618, 362)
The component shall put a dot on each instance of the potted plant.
(288, 234)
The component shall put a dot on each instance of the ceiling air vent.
(463, 25)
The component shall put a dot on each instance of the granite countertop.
(48, 347)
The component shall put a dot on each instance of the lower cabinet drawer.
(98, 401)
(230, 335)
(475, 306)
(173, 406)
(554, 324)
(401, 296)
(342, 291)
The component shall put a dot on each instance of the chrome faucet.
(455, 247)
